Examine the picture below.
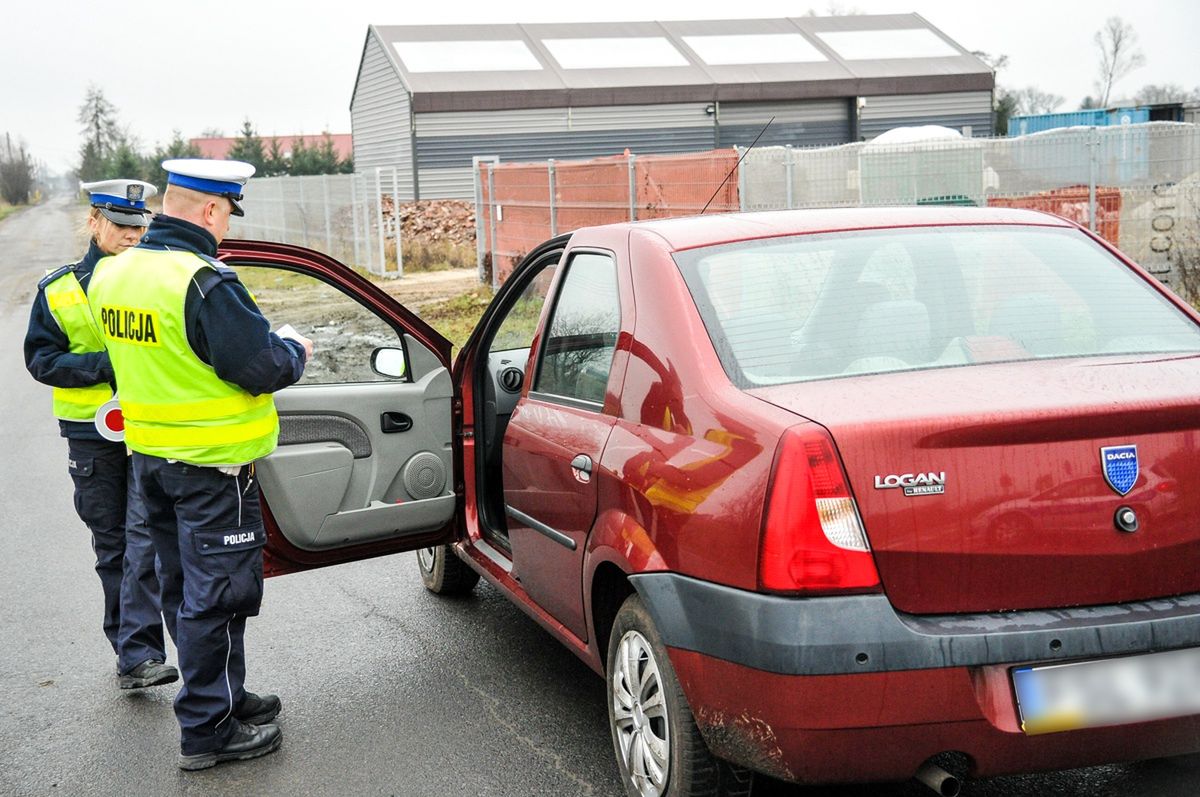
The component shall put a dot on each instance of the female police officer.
(64, 349)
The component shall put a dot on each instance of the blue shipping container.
(1036, 123)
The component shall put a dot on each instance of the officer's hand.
(307, 344)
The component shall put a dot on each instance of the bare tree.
(17, 172)
(1032, 100)
(995, 62)
(1154, 94)
(1119, 55)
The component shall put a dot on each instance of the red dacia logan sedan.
(831, 495)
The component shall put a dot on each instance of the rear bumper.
(863, 633)
(836, 689)
(883, 726)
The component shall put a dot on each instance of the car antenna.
(736, 165)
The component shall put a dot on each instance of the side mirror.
(388, 362)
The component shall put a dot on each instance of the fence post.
(328, 215)
(632, 187)
(379, 219)
(787, 171)
(354, 216)
(303, 209)
(1093, 167)
(492, 223)
(396, 220)
(741, 179)
(283, 228)
(480, 233)
(553, 205)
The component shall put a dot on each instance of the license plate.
(1089, 694)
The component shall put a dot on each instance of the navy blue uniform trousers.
(124, 560)
(207, 529)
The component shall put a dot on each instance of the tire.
(443, 573)
(667, 732)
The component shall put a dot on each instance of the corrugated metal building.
(430, 97)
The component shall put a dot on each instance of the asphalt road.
(387, 690)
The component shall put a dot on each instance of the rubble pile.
(434, 221)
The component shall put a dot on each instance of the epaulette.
(55, 274)
(218, 272)
(225, 271)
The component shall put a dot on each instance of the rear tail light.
(813, 540)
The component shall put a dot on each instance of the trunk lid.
(1025, 518)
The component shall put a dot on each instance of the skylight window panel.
(615, 53)
(490, 55)
(869, 45)
(754, 48)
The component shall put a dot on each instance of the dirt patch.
(419, 289)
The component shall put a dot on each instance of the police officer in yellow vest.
(63, 348)
(196, 363)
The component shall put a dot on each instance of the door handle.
(582, 462)
(392, 422)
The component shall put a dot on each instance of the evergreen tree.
(249, 148)
(92, 163)
(320, 158)
(177, 147)
(125, 163)
(276, 160)
(303, 158)
(99, 119)
(101, 135)
(327, 158)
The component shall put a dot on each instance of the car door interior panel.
(295, 430)
(317, 476)
(362, 479)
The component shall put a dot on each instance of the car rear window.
(821, 306)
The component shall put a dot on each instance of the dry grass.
(439, 256)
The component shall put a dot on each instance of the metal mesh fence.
(350, 217)
(1137, 186)
(519, 205)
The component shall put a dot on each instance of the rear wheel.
(444, 573)
(659, 749)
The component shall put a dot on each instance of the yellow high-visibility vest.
(69, 306)
(175, 405)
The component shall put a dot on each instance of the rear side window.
(578, 350)
(820, 306)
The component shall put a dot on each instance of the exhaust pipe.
(938, 779)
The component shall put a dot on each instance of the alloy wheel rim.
(425, 558)
(640, 719)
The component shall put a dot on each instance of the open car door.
(366, 459)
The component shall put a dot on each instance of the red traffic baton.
(110, 423)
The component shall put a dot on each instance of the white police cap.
(121, 201)
(220, 177)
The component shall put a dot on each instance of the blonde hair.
(85, 224)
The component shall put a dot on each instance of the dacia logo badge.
(1120, 464)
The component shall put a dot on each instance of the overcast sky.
(290, 66)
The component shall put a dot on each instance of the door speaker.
(424, 475)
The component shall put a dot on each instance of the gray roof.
(835, 66)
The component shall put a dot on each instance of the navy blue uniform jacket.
(224, 328)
